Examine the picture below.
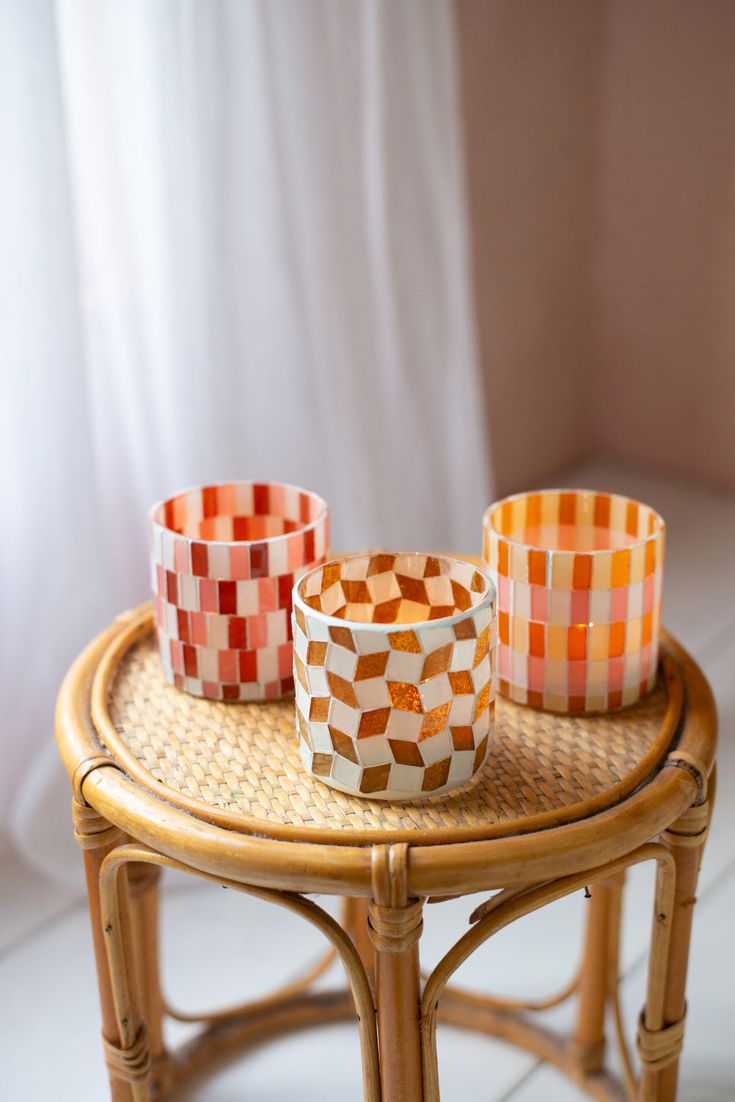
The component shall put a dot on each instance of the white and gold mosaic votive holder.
(394, 673)
(224, 559)
(579, 578)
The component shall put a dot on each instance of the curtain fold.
(238, 249)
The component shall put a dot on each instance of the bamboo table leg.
(98, 838)
(587, 1046)
(356, 923)
(659, 1049)
(395, 933)
(143, 890)
(395, 925)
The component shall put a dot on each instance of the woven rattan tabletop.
(238, 765)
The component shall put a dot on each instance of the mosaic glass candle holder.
(394, 671)
(579, 577)
(224, 560)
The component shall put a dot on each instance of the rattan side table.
(161, 779)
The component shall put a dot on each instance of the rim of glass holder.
(659, 522)
(487, 596)
(321, 516)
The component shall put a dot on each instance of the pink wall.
(664, 238)
(601, 171)
(527, 69)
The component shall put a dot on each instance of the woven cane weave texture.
(244, 759)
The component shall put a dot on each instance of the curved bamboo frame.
(509, 905)
(256, 1006)
(120, 959)
(529, 869)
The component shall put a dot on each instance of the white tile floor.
(49, 1049)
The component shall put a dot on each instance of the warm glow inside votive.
(393, 664)
(579, 578)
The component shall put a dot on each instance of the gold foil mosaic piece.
(393, 664)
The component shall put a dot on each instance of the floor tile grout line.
(525, 1078)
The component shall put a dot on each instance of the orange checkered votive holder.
(394, 669)
(579, 577)
(224, 560)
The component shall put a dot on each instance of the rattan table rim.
(141, 625)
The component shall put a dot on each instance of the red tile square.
(616, 646)
(539, 601)
(267, 594)
(237, 633)
(248, 665)
(577, 642)
(228, 665)
(619, 602)
(259, 560)
(567, 508)
(536, 674)
(199, 560)
(536, 640)
(577, 678)
(537, 567)
(257, 631)
(296, 551)
(602, 511)
(614, 699)
(182, 623)
(172, 587)
(240, 563)
(580, 606)
(285, 660)
(285, 586)
(227, 598)
(648, 594)
(631, 518)
(191, 665)
(615, 673)
(502, 557)
(650, 557)
(582, 572)
(309, 547)
(261, 499)
(208, 595)
(209, 501)
(198, 621)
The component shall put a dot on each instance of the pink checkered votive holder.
(224, 561)
(579, 577)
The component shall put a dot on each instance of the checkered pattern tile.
(578, 577)
(224, 560)
(393, 663)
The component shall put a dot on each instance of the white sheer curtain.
(234, 245)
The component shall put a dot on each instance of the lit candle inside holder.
(394, 672)
(578, 577)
